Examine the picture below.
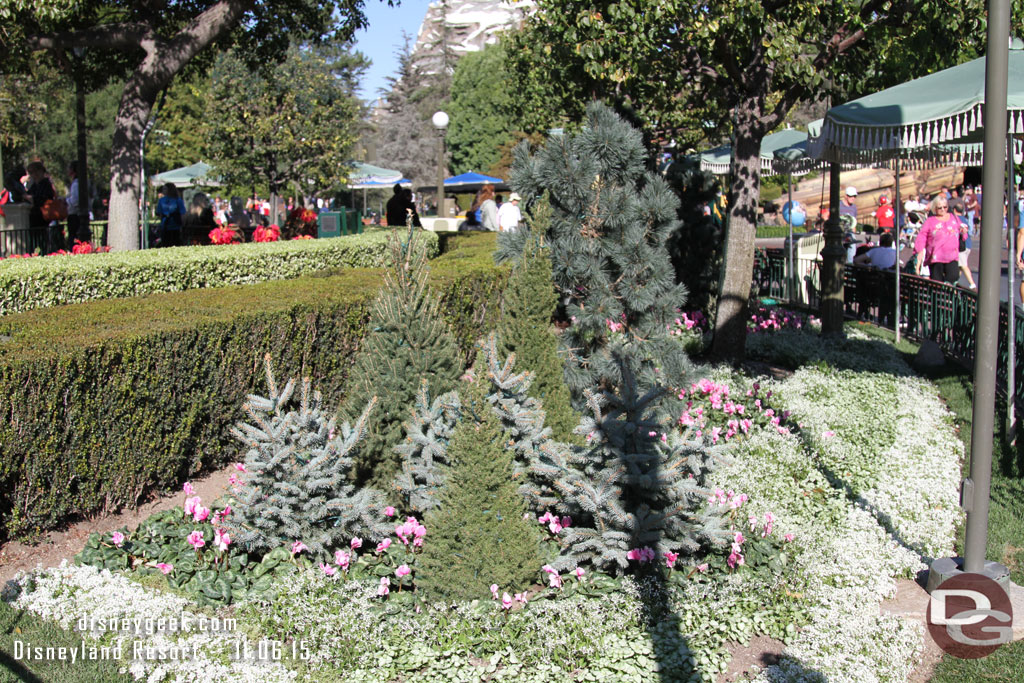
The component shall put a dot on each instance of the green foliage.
(478, 536)
(208, 575)
(526, 329)
(609, 227)
(408, 341)
(26, 284)
(424, 452)
(109, 400)
(480, 111)
(697, 247)
(296, 121)
(296, 486)
(180, 134)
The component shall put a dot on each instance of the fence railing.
(928, 309)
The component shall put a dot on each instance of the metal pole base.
(948, 567)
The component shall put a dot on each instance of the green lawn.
(1005, 523)
(18, 625)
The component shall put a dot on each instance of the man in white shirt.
(509, 214)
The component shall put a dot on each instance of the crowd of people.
(488, 211)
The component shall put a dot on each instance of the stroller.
(908, 233)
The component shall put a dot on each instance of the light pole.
(440, 121)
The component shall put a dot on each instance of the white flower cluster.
(868, 487)
(69, 594)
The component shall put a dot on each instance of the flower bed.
(838, 482)
(31, 283)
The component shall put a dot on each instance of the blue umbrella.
(471, 180)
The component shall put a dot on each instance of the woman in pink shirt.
(939, 241)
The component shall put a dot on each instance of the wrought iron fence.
(928, 310)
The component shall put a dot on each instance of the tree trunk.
(744, 193)
(126, 161)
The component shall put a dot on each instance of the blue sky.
(384, 36)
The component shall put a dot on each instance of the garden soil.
(65, 544)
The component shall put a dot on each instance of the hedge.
(103, 402)
(27, 284)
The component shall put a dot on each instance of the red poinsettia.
(224, 235)
(268, 234)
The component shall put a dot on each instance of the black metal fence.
(928, 310)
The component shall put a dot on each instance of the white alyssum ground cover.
(68, 594)
(869, 488)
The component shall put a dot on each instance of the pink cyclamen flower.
(383, 545)
(738, 537)
(240, 466)
(769, 523)
(545, 518)
(221, 540)
(752, 520)
(520, 598)
(554, 580)
(555, 526)
(188, 489)
(789, 537)
(494, 591)
(383, 589)
(735, 559)
(341, 559)
(389, 511)
(233, 480)
(829, 434)
(118, 538)
(327, 569)
(298, 547)
(403, 570)
(702, 567)
(670, 559)
(506, 601)
(579, 573)
(200, 513)
(195, 539)
(191, 504)
(164, 567)
(356, 543)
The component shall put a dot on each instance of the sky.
(383, 37)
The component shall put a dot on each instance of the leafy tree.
(478, 534)
(179, 135)
(480, 111)
(295, 121)
(745, 63)
(150, 43)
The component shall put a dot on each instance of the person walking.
(509, 214)
(488, 208)
(171, 211)
(938, 244)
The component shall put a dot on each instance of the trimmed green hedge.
(105, 401)
(27, 284)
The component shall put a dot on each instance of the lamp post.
(440, 121)
(83, 169)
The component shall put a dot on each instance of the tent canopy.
(372, 176)
(781, 152)
(186, 176)
(943, 108)
(471, 181)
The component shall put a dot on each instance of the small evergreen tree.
(296, 485)
(529, 302)
(609, 227)
(424, 452)
(408, 341)
(478, 534)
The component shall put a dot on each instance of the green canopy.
(186, 176)
(363, 176)
(944, 108)
(781, 152)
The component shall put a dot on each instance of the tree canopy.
(296, 121)
(150, 42)
(480, 110)
(741, 65)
